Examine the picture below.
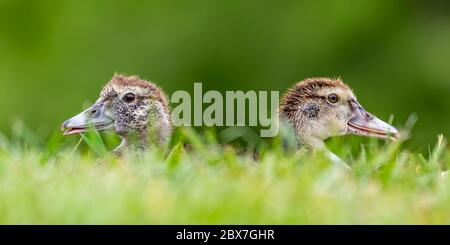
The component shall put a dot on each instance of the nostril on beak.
(64, 125)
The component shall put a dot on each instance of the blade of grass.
(93, 139)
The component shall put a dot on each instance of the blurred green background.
(56, 55)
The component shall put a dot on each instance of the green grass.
(58, 181)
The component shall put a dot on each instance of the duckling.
(319, 108)
(132, 107)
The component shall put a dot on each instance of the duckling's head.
(319, 108)
(127, 105)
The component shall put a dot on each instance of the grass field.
(60, 182)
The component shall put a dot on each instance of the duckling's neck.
(136, 139)
(124, 144)
(314, 144)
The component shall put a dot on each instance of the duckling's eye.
(333, 98)
(130, 97)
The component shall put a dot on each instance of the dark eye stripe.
(316, 97)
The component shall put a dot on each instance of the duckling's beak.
(95, 116)
(366, 124)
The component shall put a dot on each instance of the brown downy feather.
(306, 89)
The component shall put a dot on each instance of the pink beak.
(365, 124)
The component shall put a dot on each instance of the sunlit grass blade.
(95, 142)
(175, 155)
(438, 150)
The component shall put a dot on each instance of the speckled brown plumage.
(134, 108)
(119, 80)
(319, 108)
(149, 114)
(307, 89)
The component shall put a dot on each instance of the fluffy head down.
(129, 105)
(137, 105)
(134, 103)
(317, 108)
